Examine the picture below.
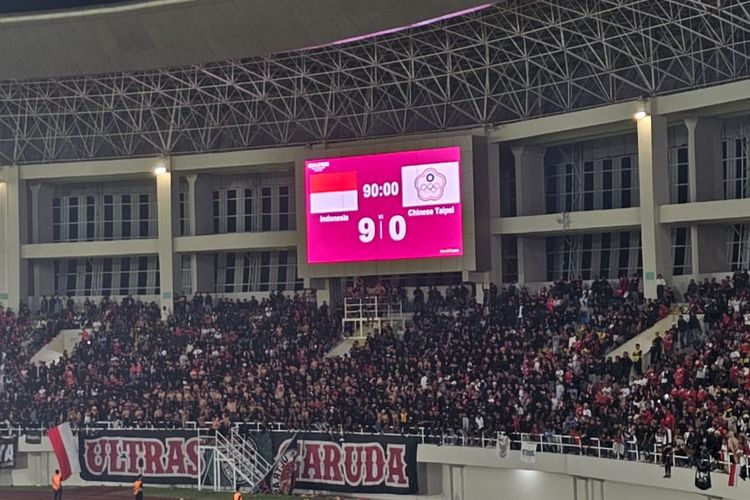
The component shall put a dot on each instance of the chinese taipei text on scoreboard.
(404, 205)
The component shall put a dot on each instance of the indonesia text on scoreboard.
(404, 205)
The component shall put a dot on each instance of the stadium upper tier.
(508, 62)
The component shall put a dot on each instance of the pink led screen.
(404, 205)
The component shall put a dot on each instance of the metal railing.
(103, 425)
(247, 465)
(629, 450)
(371, 311)
(371, 307)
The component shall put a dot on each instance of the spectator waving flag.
(64, 445)
(283, 474)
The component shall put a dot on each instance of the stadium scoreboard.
(404, 205)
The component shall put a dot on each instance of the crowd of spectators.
(209, 362)
(515, 362)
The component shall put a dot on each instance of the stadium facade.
(590, 193)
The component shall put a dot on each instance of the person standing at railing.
(637, 358)
(664, 441)
(656, 349)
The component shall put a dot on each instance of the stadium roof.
(512, 61)
(81, 37)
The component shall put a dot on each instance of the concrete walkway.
(343, 347)
(66, 340)
(645, 337)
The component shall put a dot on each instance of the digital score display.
(404, 205)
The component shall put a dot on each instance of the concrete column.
(200, 188)
(44, 279)
(203, 273)
(654, 191)
(191, 180)
(706, 184)
(704, 159)
(3, 240)
(493, 178)
(532, 259)
(169, 279)
(709, 249)
(529, 163)
(42, 271)
(15, 232)
(200, 202)
(41, 213)
(192, 216)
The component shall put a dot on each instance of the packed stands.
(519, 362)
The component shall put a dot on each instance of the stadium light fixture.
(640, 115)
(161, 168)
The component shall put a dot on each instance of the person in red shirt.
(679, 376)
(668, 420)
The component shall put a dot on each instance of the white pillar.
(654, 191)
(15, 267)
(529, 169)
(168, 268)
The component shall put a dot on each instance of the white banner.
(430, 184)
(528, 452)
(502, 447)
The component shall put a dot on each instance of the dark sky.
(14, 6)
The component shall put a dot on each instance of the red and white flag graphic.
(335, 192)
(733, 472)
(64, 445)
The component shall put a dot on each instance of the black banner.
(354, 464)
(8, 451)
(163, 457)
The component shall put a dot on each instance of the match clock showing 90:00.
(403, 205)
(376, 190)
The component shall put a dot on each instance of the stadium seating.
(520, 362)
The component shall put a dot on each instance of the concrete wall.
(455, 473)
(476, 474)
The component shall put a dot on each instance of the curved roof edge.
(156, 34)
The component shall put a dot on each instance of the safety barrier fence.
(546, 443)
